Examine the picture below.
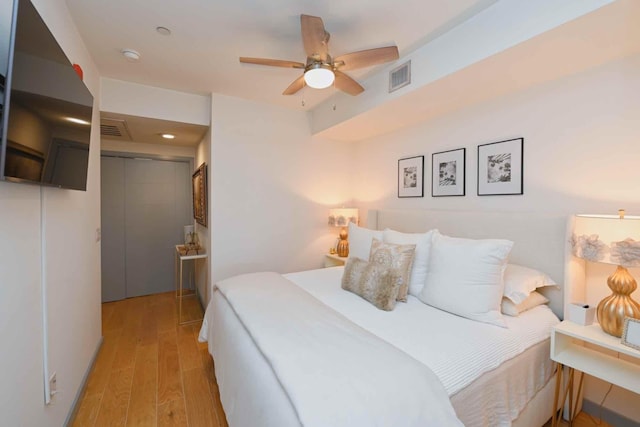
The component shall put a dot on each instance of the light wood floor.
(583, 420)
(151, 372)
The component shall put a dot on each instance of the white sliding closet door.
(157, 204)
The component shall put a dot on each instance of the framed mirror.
(199, 183)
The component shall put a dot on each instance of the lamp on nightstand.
(341, 217)
(611, 239)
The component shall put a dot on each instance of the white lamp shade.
(341, 217)
(319, 78)
(608, 239)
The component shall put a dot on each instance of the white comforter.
(456, 349)
(334, 372)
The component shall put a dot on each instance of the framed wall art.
(199, 183)
(411, 177)
(500, 168)
(448, 173)
(631, 333)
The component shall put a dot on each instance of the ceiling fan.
(321, 70)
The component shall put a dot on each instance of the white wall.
(581, 153)
(272, 184)
(500, 27)
(148, 101)
(580, 150)
(62, 256)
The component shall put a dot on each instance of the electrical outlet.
(53, 384)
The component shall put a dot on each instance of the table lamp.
(611, 239)
(341, 217)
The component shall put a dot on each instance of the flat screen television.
(46, 111)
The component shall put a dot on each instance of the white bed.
(493, 376)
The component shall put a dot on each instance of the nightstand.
(333, 260)
(568, 349)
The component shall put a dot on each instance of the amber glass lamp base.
(613, 309)
(343, 245)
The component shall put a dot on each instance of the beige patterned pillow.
(376, 284)
(394, 256)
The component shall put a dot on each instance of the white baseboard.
(74, 406)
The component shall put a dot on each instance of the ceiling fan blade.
(271, 62)
(314, 37)
(367, 58)
(295, 86)
(347, 84)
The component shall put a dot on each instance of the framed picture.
(411, 177)
(500, 168)
(199, 183)
(448, 173)
(631, 333)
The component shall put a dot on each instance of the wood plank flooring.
(150, 371)
(583, 420)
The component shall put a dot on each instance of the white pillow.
(465, 277)
(360, 241)
(520, 281)
(533, 300)
(420, 259)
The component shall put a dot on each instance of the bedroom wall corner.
(271, 186)
(49, 242)
(203, 271)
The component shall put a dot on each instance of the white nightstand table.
(568, 349)
(333, 260)
(180, 294)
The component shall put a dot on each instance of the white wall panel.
(47, 240)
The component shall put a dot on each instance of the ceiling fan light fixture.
(319, 76)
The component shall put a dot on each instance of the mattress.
(490, 373)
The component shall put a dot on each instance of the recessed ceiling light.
(130, 54)
(168, 136)
(78, 121)
(164, 31)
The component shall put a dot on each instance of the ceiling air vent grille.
(110, 130)
(114, 129)
(400, 76)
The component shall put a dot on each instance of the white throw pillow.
(535, 299)
(421, 257)
(520, 281)
(360, 241)
(465, 277)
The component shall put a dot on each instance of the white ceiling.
(208, 36)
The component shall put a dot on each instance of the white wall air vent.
(400, 76)
(114, 129)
